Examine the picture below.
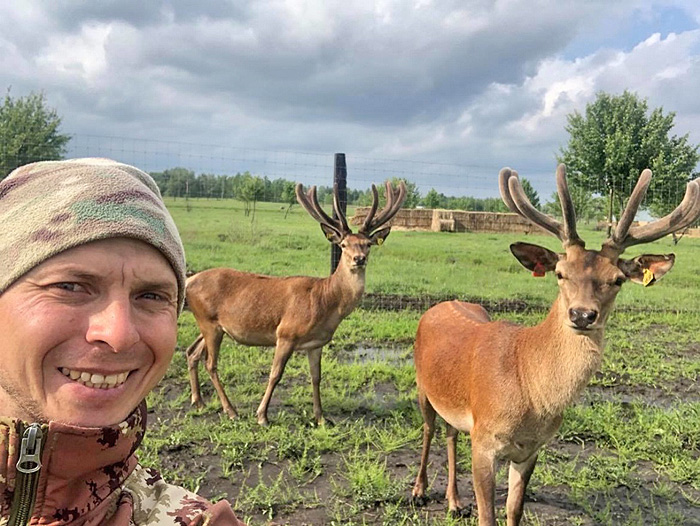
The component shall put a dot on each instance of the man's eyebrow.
(157, 284)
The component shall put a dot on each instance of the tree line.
(610, 143)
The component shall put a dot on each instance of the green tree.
(615, 140)
(252, 190)
(530, 192)
(288, 195)
(433, 199)
(29, 132)
(588, 206)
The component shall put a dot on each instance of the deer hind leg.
(518, 477)
(213, 337)
(283, 350)
(428, 413)
(452, 494)
(484, 475)
(194, 354)
(315, 368)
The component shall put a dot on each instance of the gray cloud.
(477, 83)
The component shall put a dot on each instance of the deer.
(297, 313)
(507, 385)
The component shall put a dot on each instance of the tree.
(587, 206)
(288, 195)
(530, 192)
(252, 190)
(615, 140)
(29, 132)
(432, 199)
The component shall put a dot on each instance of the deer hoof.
(419, 500)
(198, 404)
(461, 512)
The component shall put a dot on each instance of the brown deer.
(289, 313)
(507, 385)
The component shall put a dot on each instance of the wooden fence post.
(340, 179)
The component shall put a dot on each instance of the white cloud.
(477, 83)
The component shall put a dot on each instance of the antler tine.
(567, 208)
(370, 215)
(503, 177)
(310, 203)
(394, 200)
(524, 208)
(338, 211)
(685, 214)
(623, 224)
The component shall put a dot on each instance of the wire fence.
(316, 168)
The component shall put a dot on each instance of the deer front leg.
(283, 350)
(315, 367)
(194, 354)
(484, 475)
(213, 344)
(518, 477)
(428, 412)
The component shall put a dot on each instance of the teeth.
(97, 381)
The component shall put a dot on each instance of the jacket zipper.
(28, 473)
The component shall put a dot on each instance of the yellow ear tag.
(380, 240)
(329, 235)
(648, 278)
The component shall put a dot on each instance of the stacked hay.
(439, 220)
(405, 219)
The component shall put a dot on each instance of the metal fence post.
(340, 179)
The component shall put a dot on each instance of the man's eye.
(153, 296)
(67, 286)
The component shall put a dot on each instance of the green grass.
(627, 452)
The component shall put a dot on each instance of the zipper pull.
(30, 451)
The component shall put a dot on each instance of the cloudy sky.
(440, 90)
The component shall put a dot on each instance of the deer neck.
(556, 362)
(343, 289)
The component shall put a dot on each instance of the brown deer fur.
(289, 313)
(507, 385)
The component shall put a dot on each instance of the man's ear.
(535, 258)
(332, 234)
(378, 237)
(647, 268)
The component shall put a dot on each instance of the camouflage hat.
(51, 206)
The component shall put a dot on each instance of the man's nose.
(114, 325)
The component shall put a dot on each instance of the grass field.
(627, 453)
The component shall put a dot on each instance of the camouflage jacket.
(90, 476)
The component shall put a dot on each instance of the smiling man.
(91, 286)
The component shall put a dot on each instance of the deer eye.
(619, 282)
(559, 275)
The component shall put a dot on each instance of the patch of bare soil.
(319, 505)
(399, 302)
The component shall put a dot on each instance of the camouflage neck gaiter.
(51, 206)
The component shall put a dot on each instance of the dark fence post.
(340, 179)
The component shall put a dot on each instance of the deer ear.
(535, 258)
(331, 234)
(647, 268)
(378, 237)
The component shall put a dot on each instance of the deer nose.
(360, 260)
(582, 318)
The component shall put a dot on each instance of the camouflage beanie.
(51, 206)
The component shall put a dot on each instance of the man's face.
(87, 334)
